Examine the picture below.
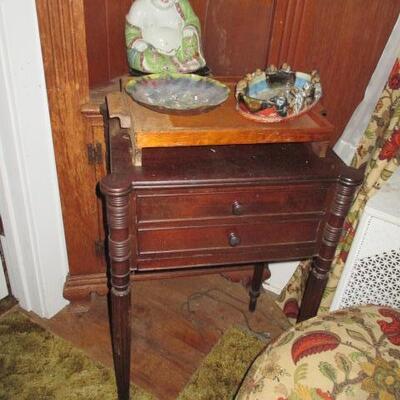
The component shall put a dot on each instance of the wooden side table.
(203, 209)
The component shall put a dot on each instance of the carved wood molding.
(348, 182)
(80, 287)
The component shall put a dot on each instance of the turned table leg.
(117, 205)
(321, 263)
(256, 285)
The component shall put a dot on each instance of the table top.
(227, 165)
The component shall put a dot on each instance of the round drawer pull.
(237, 208)
(234, 240)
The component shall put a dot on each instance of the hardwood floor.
(176, 322)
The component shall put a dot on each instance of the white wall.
(3, 283)
(280, 275)
(34, 246)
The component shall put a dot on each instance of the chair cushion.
(349, 354)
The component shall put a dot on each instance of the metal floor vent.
(374, 280)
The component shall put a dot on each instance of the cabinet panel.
(64, 53)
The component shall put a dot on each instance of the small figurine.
(315, 78)
(163, 35)
(308, 93)
(296, 100)
(271, 69)
(316, 81)
(281, 76)
(286, 67)
(281, 105)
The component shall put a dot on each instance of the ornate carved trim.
(344, 196)
(321, 264)
(331, 235)
(117, 206)
(80, 287)
(120, 251)
(117, 190)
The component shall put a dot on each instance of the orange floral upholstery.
(349, 354)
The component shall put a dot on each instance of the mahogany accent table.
(203, 209)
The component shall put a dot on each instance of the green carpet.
(221, 372)
(36, 365)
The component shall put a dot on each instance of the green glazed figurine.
(163, 35)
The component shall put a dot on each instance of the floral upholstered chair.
(349, 354)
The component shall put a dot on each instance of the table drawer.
(181, 205)
(226, 237)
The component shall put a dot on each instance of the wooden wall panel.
(237, 35)
(117, 11)
(343, 41)
(105, 25)
(200, 8)
(97, 41)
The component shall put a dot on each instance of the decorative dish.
(174, 93)
(277, 94)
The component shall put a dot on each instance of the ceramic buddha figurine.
(163, 35)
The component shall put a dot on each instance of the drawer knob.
(237, 208)
(234, 240)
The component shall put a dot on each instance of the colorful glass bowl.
(174, 93)
(277, 94)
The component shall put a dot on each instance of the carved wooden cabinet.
(83, 51)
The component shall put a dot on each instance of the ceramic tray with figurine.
(174, 93)
(277, 94)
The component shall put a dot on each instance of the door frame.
(34, 243)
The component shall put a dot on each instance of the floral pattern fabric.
(350, 354)
(379, 150)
